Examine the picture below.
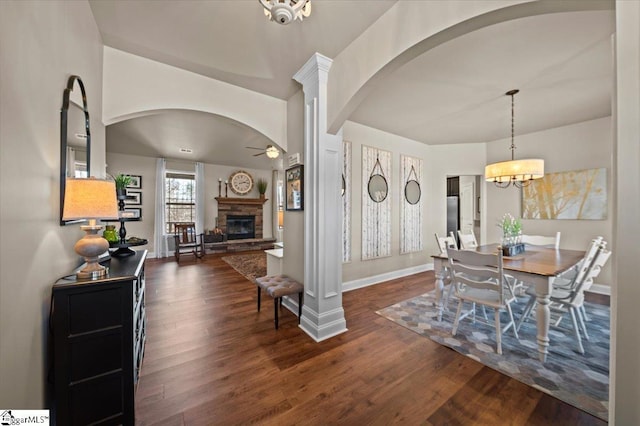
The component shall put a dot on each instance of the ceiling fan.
(270, 150)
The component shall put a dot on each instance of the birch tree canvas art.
(577, 194)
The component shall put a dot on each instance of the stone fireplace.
(240, 208)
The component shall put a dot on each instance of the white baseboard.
(377, 279)
(600, 289)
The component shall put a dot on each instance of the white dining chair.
(478, 278)
(444, 242)
(542, 241)
(467, 240)
(568, 297)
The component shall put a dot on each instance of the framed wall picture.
(134, 198)
(294, 178)
(131, 213)
(136, 182)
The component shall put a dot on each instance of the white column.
(322, 313)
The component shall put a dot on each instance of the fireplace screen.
(241, 227)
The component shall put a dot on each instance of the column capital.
(316, 64)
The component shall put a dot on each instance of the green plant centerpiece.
(511, 235)
(122, 181)
(262, 184)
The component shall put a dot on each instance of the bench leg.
(259, 292)
(299, 307)
(275, 310)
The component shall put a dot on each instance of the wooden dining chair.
(542, 241)
(187, 241)
(478, 279)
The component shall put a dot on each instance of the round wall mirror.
(378, 188)
(412, 192)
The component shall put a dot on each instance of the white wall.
(293, 232)
(584, 145)
(360, 135)
(146, 167)
(625, 342)
(134, 85)
(41, 44)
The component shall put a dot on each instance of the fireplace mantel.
(248, 201)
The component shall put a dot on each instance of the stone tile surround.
(240, 207)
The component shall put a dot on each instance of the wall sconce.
(280, 218)
(90, 199)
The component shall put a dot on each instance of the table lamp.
(90, 199)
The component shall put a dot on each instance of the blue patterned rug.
(579, 380)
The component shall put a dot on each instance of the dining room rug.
(251, 265)
(579, 380)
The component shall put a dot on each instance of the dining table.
(536, 266)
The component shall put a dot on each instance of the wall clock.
(241, 182)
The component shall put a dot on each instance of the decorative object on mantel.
(520, 173)
(262, 185)
(286, 11)
(511, 235)
(241, 182)
(90, 199)
(219, 187)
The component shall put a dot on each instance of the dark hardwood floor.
(211, 358)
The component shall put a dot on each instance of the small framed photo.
(136, 182)
(131, 213)
(294, 178)
(134, 198)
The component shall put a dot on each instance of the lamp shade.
(515, 170)
(90, 199)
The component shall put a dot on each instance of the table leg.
(543, 316)
(439, 272)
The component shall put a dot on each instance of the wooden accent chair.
(187, 241)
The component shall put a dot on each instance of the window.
(180, 199)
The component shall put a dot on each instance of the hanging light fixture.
(285, 11)
(520, 173)
(272, 151)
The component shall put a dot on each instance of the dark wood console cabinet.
(98, 344)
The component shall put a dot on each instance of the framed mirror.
(412, 192)
(75, 137)
(377, 187)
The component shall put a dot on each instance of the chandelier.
(285, 11)
(272, 152)
(520, 173)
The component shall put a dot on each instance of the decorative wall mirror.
(377, 187)
(412, 190)
(75, 137)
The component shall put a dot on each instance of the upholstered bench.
(278, 286)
